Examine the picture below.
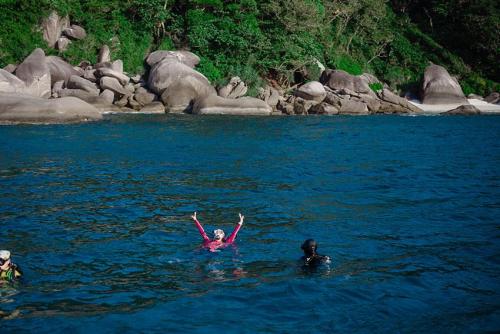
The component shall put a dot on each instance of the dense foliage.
(278, 40)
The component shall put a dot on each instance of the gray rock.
(185, 57)
(338, 79)
(90, 75)
(136, 78)
(108, 96)
(313, 90)
(153, 108)
(285, 107)
(117, 66)
(466, 109)
(438, 87)
(113, 85)
(372, 103)
(133, 103)
(178, 85)
(107, 72)
(10, 83)
(75, 32)
(85, 65)
(121, 102)
(52, 27)
(19, 108)
(323, 109)
(62, 43)
(81, 72)
(56, 88)
(75, 92)
(350, 107)
(369, 78)
(11, 68)
(302, 106)
(130, 87)
(391, 103)
(493, 98)
(59, 69)
(104, 54)
(234, 89)
(144, 97)
(269, 95)
(77, 82)
(216, 105)
(35, 73)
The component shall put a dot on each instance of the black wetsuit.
(315, 260)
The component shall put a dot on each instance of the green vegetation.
(376, 86)
(276, 40)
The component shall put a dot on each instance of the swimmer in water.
(8, 270)
(311, 258)
(219, 240)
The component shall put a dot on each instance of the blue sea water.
(97, 216)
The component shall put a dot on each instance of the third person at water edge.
(219, 239)
(8, 270)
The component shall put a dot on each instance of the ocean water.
(97, 216)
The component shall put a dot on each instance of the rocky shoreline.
(47, 89)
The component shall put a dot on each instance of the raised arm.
(200, 228)
(236, 230)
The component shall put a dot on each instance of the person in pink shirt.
(218, 241)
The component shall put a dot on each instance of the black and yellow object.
(11, 274)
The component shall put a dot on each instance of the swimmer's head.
(219, 234)
(4, 259)
(309, 247)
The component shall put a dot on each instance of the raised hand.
(194, 216)
(241, 219)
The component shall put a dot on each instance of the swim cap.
(219, 234)
(4, 255)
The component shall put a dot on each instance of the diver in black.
(311, 258)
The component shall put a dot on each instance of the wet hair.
(309, 247)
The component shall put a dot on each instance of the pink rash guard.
(213, 245)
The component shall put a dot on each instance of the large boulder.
(75, 32)
(185, 57)
(153, 108)
(323, 109)
(35, 73)
(77, 82)
(178, 84)
(351, 107)
(19, 108)
(466, 109)
(391, 104)
(438, 87)
(113, 85)
(107, 72)
(234, 89)
(493, 98)
(216, 105)
(59, 69)
(10, 83)
(338, 79)
(52, 27)
(313, 90)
